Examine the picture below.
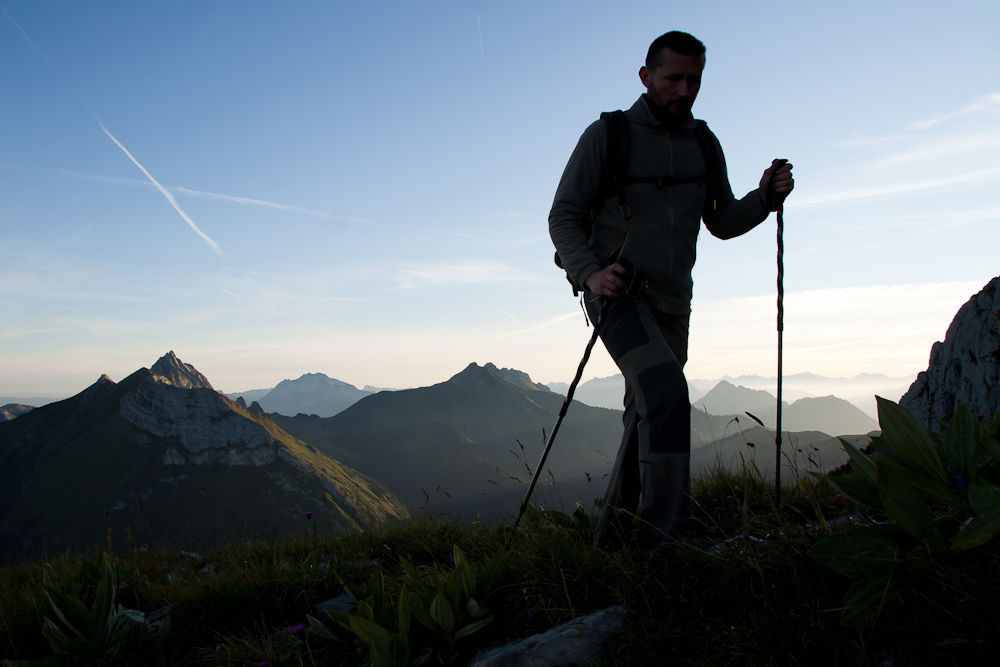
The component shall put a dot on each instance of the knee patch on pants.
(623, 331)
(668, 410)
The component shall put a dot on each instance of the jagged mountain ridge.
(457, 441)
(175, 465)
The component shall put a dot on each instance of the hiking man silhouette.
(641, 226)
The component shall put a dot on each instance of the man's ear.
(644, 75)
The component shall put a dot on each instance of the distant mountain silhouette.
(312, 393)
(859, 390)
(607, 392)
(177, 464)
(828, 414)
(250, 395)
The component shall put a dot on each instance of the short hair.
(678, 42)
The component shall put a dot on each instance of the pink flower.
(297, 629)
(531, 612)
(309, 515)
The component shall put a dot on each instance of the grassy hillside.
(739, 585)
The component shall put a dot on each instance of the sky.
(362, 189)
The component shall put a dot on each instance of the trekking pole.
(555, 428)
(777, 205)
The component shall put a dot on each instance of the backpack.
(615, 176)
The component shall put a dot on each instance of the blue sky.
(361, 189)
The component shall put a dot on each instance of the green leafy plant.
(447, 608)
(934, 489)
(98, 634)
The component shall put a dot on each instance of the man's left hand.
(783, 181)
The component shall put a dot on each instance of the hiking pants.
(654, 459)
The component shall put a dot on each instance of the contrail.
(170, 198)
(30, 41)
(482, 52)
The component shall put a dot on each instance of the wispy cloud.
(17, 334)
(464, 236)
(544, 324)
(506, 313)
(987, 103)
(201, 194)
(945, 147)
(252, 303)
(455, 273)
(830, 331)
(170, 198)
(880, 190)
(872, 141)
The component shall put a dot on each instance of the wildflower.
(745, 536)
(531, 612)
(297, 629)
(750, 445)
(588, 476)
(959, 482)
(264, 663)
(309, 515)
(980, 417)
(559, 563)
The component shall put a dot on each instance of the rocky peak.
(474, 374)
(240, 402)
(172, 370)
(256, 409)
(965, 367)
(515, 377)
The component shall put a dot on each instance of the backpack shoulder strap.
(712, 171)
(615, 171)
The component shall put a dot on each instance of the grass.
(748, 602)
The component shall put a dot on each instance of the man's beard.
(668, 118)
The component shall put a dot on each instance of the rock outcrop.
(965, 367)
(202, 420)
(179, 374)
(515, 377)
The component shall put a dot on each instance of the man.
(646, 234)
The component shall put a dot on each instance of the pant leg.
(653, 460)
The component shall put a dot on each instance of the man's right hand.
(606, 282)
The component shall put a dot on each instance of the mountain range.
(465, 445)
(164, 458)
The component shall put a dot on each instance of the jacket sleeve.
(577, 198)
(728, 217)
